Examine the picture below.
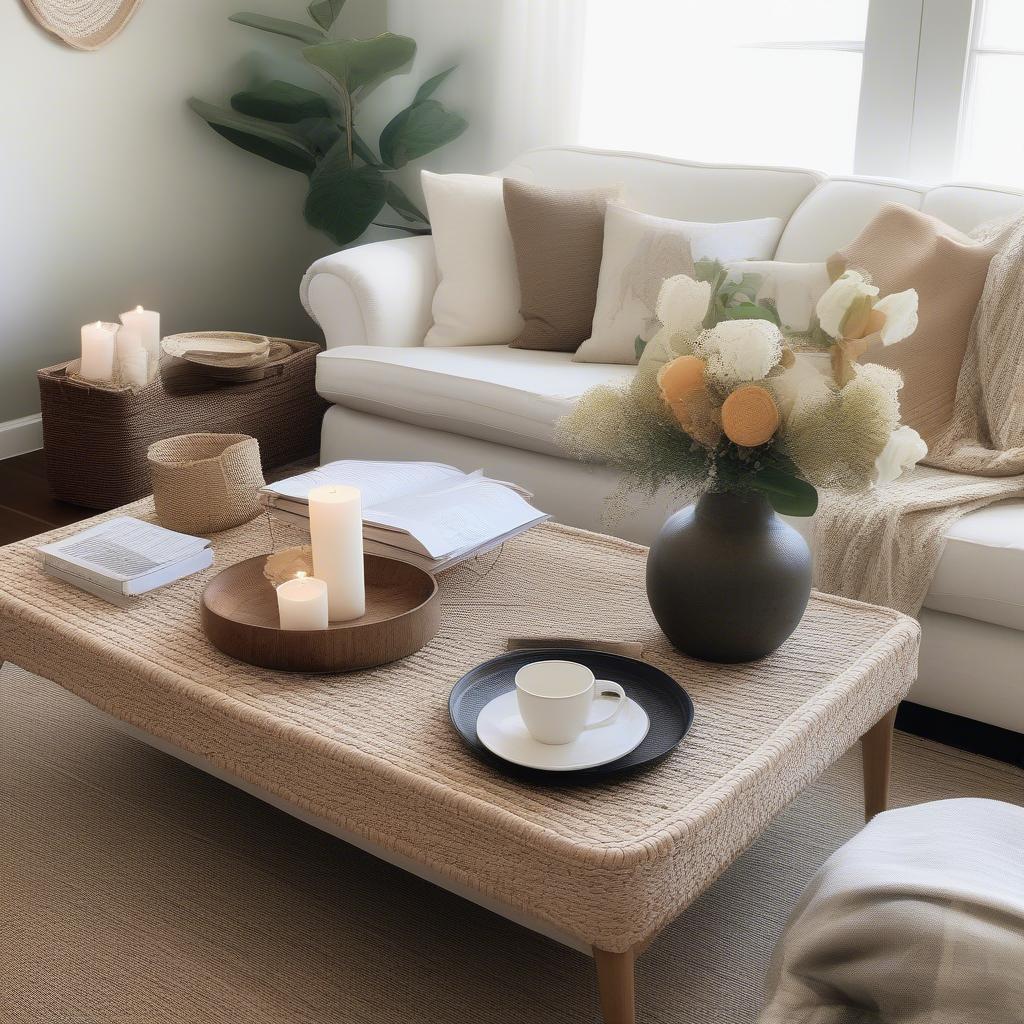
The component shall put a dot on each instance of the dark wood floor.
(26, 508)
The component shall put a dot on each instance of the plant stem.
(348, 124)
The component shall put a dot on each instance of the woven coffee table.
(371, 756)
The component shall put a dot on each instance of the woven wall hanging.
(83, 24)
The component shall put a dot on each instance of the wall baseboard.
(20, 436)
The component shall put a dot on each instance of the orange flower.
(681, 378)
(750, 416)
(685, 392)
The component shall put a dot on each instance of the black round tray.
(667, 705)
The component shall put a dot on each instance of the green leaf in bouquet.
(789, 494)
(708, 270)
(360, 63)
(751, 311)
(325, 12)
(639, 345)
(281, 102)
(855, 319)
(418, 130)
(343, 199)
(277, 143)
(279, 26)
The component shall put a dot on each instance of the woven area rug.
(134, 888)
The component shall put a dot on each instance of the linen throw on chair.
(884, 546)
(83, 24)
(919, 918)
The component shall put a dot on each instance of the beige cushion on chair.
(557, 235)
(903, 248)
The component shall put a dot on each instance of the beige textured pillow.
(639, 252)
(557, 235)
(904, 248)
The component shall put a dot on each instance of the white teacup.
(554, 699)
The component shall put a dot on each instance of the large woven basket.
(96, 439)
(204, 483)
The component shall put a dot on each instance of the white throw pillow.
(794, 288)
(640, 251)
(477, 297)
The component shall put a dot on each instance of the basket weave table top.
(374, 752)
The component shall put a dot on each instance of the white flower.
(903, 450)
(739, 351)
(843, 292)
(803, 385)
(683, 303)
(900, 310)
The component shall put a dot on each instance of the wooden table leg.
(615, 985)
(876, 753)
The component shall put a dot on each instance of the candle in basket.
(97, 352)
(131, 359)
(146, 324)
(302, 603)
(336, 531)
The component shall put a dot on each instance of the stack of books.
(425, 513)
(123, 558)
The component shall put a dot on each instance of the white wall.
(114, 193)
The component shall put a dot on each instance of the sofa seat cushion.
(981, 573)
(492, 392)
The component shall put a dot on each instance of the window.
(744, 81)
(991, 145)
(921, 89)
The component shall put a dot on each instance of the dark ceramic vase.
(727, 579)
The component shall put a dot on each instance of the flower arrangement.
(724, 400)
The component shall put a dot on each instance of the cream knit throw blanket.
(884, 546)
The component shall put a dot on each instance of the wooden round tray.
(239, 617)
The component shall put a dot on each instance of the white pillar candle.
(146, 324)
(302, 603)
(97, 352)
(336, 530)
(131, 359)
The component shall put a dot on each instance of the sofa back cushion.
(680, 189)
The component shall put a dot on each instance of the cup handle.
(603, 688)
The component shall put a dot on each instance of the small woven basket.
(204, 483)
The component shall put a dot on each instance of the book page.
(124, 548)
(457, 518)
(378, 481)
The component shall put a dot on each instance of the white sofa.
(495, 407)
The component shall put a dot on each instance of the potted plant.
(316, 133)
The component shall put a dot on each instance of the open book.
(124, 558)
(421, 512)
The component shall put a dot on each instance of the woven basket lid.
(83, 24)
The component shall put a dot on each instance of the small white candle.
(336, 530)
(302, 603)
(146, 324)
(131, 359)
(97, 351)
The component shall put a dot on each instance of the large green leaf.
(343, 200)
(272, 141)
(402, 204)
(359, 63)
(429, 87)
(788, 494)
(319, 133)
(325, 12)
(418, 130)
(280, 27)
(282, 102)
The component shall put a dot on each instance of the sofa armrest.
(376, 294)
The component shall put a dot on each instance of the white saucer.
(502, 731)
